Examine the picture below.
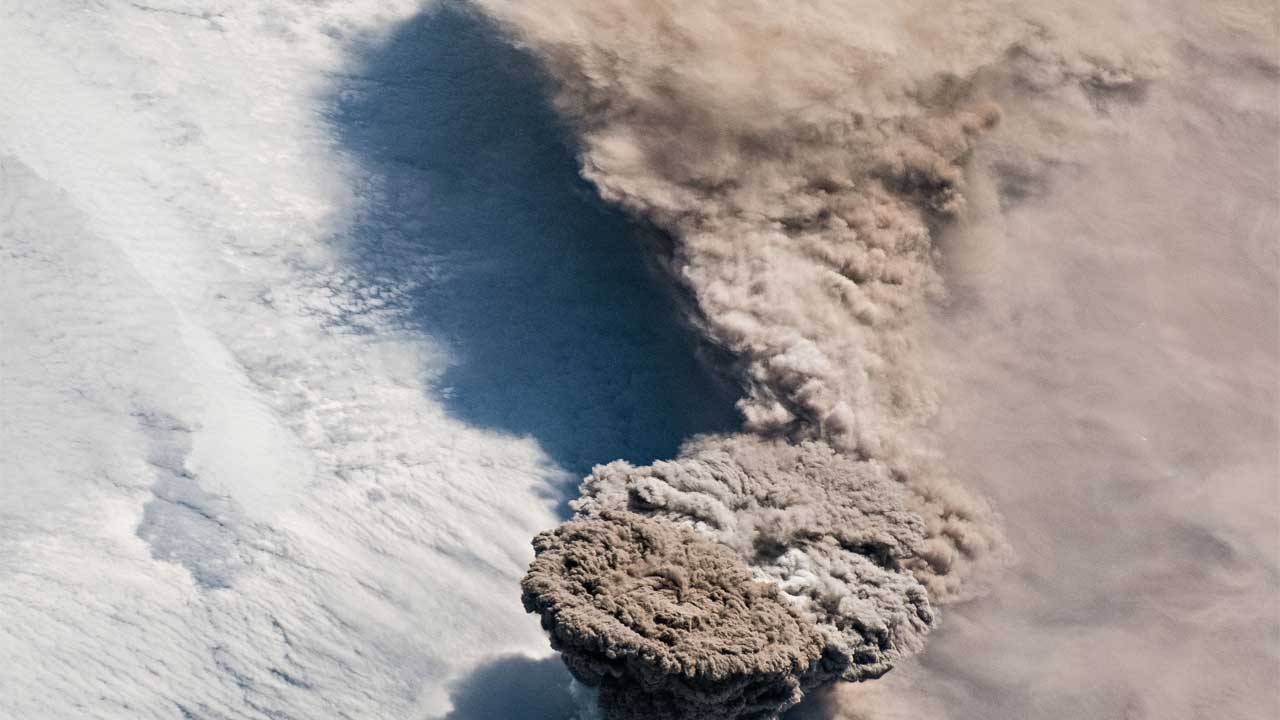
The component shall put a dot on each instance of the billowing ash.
(666, 623)
(801, 169)
(832, 533)
(725, 583)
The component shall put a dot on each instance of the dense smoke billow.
(809, 161)
(727, 582)
(802, 159)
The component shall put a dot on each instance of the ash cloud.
(802, 159)
(666, 623)
(727, 582)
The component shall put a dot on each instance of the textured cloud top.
(727, 581)
(799, 170)
(667, 623)
(833, 533)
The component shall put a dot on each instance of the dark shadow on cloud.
(817, 705)
(559, 328)
(514, 687)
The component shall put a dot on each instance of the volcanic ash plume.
(725, 583)
(798, 166)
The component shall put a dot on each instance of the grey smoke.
(802, 166)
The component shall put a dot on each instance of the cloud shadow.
(514, 687)
(545, 297)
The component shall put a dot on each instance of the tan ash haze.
(845, 186)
